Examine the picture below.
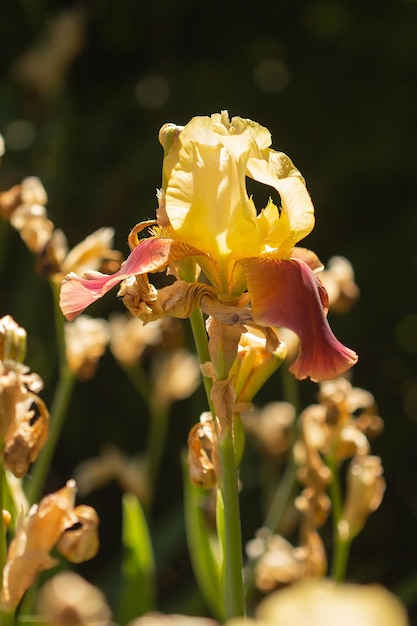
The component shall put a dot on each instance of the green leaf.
(202, 545)
(137, 594)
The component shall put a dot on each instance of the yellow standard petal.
(206, 199)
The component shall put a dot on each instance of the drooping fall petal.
(78, 293)
(287, 293)
(151, 255)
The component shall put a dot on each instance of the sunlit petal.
(77, 293)
(207, 203)
(287, 293)
(297, 212)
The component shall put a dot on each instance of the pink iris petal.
(287, 293)
(78, 293)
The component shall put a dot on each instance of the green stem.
(276, 511)
(7, 618)
(233, 591)
(139, 380)
(341, 547)
(3, 542)
(201, 343)
(204, 552)
(228, 527)
(59, 407)
(158, 430)
(288, 482)
(340, 559)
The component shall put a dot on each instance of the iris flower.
(205, 213)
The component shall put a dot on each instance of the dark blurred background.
(85, 88)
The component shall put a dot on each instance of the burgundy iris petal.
(287, 293)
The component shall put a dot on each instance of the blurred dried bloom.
(325, 603)
(90, 253)
(175, 376)
(313, 437)
(12, 340)
(80, 541)
(26, 435)
(36, 534)
(85, 340)
(365, 489)
(33, 192)
(159, 619)
(340, 424)
(69, 600)
(23, 429)
(129, 337)
(271, 426)
(339, 281)
(279, 563)
(112, 464)
(314, 504)
(93, 253)
(24, 205)
(203, 462)
(9, 201)
(44, 67)
(30, 218)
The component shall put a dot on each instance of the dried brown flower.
(36, 534)
(365, 489)
(203, 462)
(86, 340)
(69, 600)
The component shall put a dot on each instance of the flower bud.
(254, 364)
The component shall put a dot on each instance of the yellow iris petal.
(206, 199)
(297, 211)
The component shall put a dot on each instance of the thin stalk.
(59, 407)
(285, 489)
(3, 542)
(341, 546)
(273, 519)
(201, 343)
(229, 526)
(157, 436)
(7, 618)
(232, 577)
(139, 380)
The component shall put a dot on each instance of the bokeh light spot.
(152, 92)
(271, 75)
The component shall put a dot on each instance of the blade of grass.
(202, 546)
(137, 594)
